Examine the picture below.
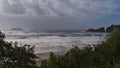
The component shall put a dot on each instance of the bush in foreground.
(14, 56)
(104, 55)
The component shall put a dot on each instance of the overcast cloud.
(54, 14)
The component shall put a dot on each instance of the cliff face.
(102, 29)
(112, 27)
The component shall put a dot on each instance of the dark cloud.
(16, 8)
(58, 7)
(54, 14)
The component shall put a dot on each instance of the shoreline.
(45, 55)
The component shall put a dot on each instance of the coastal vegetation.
(104, 55)
(14, 56)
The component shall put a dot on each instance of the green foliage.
(104, 55)
(14, 56)
(1, 66)
(44, 64)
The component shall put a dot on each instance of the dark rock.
(112, 27)
(102, 29)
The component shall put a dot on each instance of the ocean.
(53, 40)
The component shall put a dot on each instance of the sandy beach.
(43, 56)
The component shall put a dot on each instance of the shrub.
(104, 55)
(14, 56)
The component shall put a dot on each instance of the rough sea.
(53, 40)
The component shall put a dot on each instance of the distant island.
(18, 29)
(103, 29)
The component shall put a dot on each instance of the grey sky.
(54, 14)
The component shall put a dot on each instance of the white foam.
(51, 43)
